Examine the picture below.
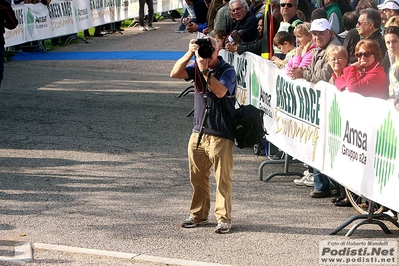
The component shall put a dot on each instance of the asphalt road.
(93, 155)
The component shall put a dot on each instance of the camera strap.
(200, 83)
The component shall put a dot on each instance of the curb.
(123, 255)
(22, 253)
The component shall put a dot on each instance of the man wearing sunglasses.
(288, 10)
(367, 27)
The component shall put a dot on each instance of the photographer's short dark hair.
(349, 20)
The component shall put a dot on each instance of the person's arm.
(367, 84)
(179, 69)
(305, 60)
(213, 83)
(10, 20)
(335, 23)
(215, 86)
(202, 26)
(321, 71)
(253, 47)
(192, 27)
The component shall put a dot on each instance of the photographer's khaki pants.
(218, 152)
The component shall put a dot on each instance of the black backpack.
(248, 127)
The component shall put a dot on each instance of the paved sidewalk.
(93, 170)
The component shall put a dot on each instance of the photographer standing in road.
(9, 21)
(211, 142)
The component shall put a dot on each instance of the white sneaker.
(143, 28)
(151, 28)
(306, 172)
(310, 181)
(222, 228)
(301, 182)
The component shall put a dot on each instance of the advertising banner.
(37, 22)
(294, 115)
(350, 138)
(66, 17)
(102, 11)
(61, 17)
(17, 35)
(82, 15)
(362, 143)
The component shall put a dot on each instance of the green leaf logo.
(30, 21)
(76, 15)
(334, 129)
(385, 152)
(254, 89)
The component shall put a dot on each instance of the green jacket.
(334, 19)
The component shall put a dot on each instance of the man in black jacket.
(368, 27)
(244, 27)
(9, 21)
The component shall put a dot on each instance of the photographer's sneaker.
(191, 222)
(222, 228)
(306, 178)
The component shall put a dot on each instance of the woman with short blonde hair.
(337, 57)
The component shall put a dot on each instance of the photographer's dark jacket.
(220, 119)
(8, 19)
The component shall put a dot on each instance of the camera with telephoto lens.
(205, 49)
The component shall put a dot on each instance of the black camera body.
(205, 49)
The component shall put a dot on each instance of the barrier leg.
(186, 91)
(288, 159)
(369, 218)
(74, 37)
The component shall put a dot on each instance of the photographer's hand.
(193, 47)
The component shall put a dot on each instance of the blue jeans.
(323, 182)
(182, 27)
